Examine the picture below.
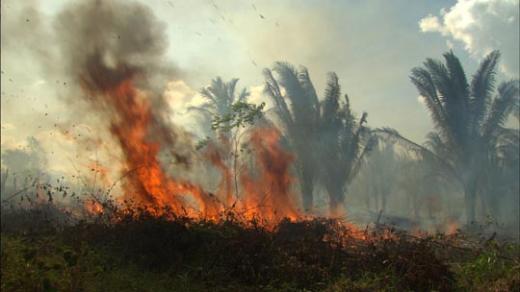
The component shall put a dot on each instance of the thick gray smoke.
(119, 31)
(103, 43)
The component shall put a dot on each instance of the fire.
(93, 207)
(225, 191)
(100, 172)
(451, 227)
(268, 194)
(131, 121)
(265, 192)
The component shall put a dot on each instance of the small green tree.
(233, 124)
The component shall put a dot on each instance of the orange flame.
(93, 207)
(265, 192)
(268, 195)
(131, 120)
(100, 172)
(451, 227)
(213, 153)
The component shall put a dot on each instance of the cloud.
(431, 23)
(481, 26)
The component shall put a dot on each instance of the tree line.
(470, 145)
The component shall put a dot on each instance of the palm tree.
(342, 142)
(466, 118)
(300, 119)
(220, 97)
(326, 132)
(381, 170)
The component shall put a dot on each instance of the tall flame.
(131, 120)
(268, 195)
(215, 156)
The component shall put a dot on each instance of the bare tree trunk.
(336, 197)
(470, 192)
(490, 201)
(307, 186)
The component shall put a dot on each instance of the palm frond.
(222, 95)
(205, 109)
(208, 95)
(389, 134)
(482, 86)
(441, 79)
(330, 104)
(458, 77)
(451, 86)
(272, 90)
(230, 88)
(501, 107)
(424, 83)
(308, 87)
(244, 94)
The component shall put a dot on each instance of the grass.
(141, 252)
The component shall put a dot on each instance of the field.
(137, 251)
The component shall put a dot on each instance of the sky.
(371, 45)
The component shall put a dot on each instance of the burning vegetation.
(115, 78)
(244, 207)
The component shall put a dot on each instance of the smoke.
(103, 43)
(115, 52)
(113, 58)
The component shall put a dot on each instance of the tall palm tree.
(326, 132)
(466, 117)
(299, 118)
(343, 143)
